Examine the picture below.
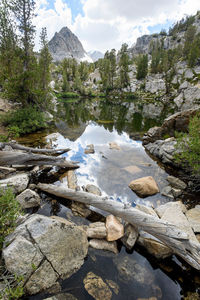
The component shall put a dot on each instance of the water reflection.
(137, 274)
(112, 170)
(119, 116)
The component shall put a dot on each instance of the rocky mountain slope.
(172, 40)
(66, 44)
(95, 55)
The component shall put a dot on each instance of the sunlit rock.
(145, 186)
(115, 230)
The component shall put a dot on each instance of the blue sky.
(106, 24)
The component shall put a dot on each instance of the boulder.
(28, 199)
(154, 246)
(184, 85)
(193, 216)
(163, 149)
(96, 287)
(176, 183)
(154, 85)
(89, 149)
(179, 100)
(80, 209)
(97, 230)
(115, 230)
(18, 182)
(93, 189)
(175, 215)
(42, 246)
(160, 210)
(188, 74)
(167, 192)
(130, 236)
(104, 245)
(114, 146)
(130, 270)
(145, 186)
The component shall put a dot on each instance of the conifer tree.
(44, 66)
(124, 66)
(142, 66)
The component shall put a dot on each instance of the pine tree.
(142, 66)
(124, 66)
(44, 66)
(23, 11)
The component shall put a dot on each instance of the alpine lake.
(134, 275)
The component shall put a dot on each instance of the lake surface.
(137, 274)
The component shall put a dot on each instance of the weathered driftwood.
(34, 150)
(23, 158)
(168, 233)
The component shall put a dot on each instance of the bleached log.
(23, 158)
(166, 232)
(34, 150)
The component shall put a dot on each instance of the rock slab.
(42, 246)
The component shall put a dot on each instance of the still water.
(137, 275)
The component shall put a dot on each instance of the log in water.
(166, 232)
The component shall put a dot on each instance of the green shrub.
(9, 212)
(12, 286)
(189, 145)
(24, 120)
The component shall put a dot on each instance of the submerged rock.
(96, 287)
(145, 186)
(114, 145)
(176, 183)
(154, 246)
(115, 230)
(42, 246)
(113, 285)
(28, 199)
(130, 270)
(132, 169)
(89, 149)
(93, 189)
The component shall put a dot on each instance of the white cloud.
(52, 19)
(107, 24)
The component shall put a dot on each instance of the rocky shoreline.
(32, 249)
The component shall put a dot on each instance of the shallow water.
(99, 124)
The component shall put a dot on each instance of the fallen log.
(23, 158)
(34, 150)
(166, 232)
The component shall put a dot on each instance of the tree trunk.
(8, 158)
(168, 233)
(35, 150)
